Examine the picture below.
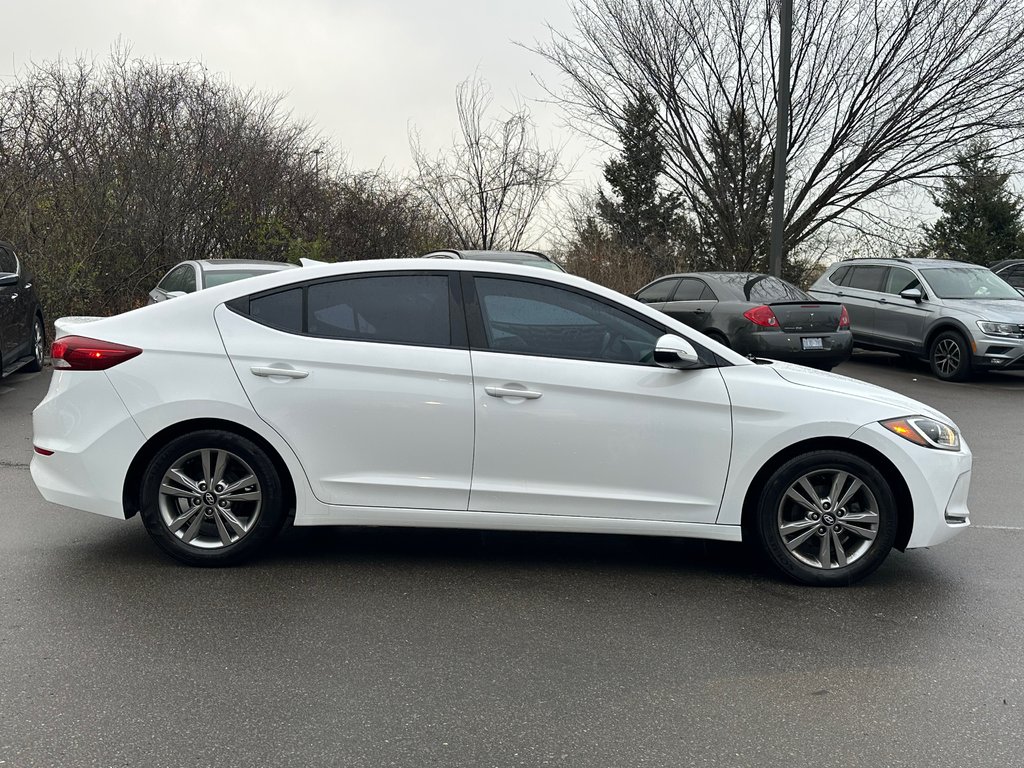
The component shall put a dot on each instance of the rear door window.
(867, 277)
(659, 292)
(691, 289)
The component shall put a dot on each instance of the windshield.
(968, 283)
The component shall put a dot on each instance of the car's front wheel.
(950, 357)
(826, 518)
(212, 498)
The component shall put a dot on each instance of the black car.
(22, 331)
(756, 315)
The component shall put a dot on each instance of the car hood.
(832, 382)
(998, 310)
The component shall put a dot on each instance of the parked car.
(468, 394)
(22, 330)
(959, 317)
(191, 276)
(755, 314)
(527, 258)
(1012, 271)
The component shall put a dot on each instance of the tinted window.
(182, 278)
(1014, 275)
(689, 290)
(8, 263)
(867, 277)
(536, 319)
(900, 280)
(765, 289)
(403, 309)
(836, 278)
(282, 310)
(660, 291)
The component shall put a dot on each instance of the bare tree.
(883, 93)
(487, 188)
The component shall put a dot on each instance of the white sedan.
(476, 395)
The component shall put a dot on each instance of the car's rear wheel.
(38, 347)
(212, 498)
(826, 518)
(950, 357)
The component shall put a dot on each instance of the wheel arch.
(131, 491)
(900, 490)
(948, 324)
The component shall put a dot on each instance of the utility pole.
(781, 140)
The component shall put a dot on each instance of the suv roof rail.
(900, 259)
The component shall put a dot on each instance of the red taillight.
(77, 353)
(762, 316)
(42, 451)
(844, 320)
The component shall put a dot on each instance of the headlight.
(924, 431)
(1012, 330)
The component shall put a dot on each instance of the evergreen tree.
(734, 213)
(981, 217)
(639, 215)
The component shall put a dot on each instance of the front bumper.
(938, 481)
(997, 353)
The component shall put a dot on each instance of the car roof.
(215, 264)
(912, 262)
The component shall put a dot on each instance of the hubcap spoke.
(798, 540)
(864, 533)
(855, 486)
(247, 496)
(837, 487)
(798, 525)
(243, 483)
(182, 519)
(185, 480)
(798, 497)
(207, 475)
(234, 522)
(225, 537)
(838, 546)
(192, 530)
(218, 470)
(812, 494)
(825, 552)
(170, 490)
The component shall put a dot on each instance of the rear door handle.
(526, 394)
(290, 373)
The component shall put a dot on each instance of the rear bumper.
(92, 446)
(780, 345)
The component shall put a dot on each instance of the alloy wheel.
(828, 519)
(947, 357)
(210, 498)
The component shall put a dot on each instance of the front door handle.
(14, 296)
(290, 373)
(526, 394)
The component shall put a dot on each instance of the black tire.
(950, 357)
(234, 519)
(800, 552)
(38, 347)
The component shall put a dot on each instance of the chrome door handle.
(290, 373)
(27, 286)
(526, 394)
(14, 296)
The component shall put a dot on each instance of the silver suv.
(960, 317)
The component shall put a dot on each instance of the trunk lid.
(808, 316)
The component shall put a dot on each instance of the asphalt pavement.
(389, 647)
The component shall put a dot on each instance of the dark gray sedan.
(756, 314)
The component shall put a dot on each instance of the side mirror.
(675, 352)
(175, 294)
(912, 294)
(8, 278)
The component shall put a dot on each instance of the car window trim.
(456, 314)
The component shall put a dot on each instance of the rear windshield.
(968, 283)
(222, 276)
(766, 289)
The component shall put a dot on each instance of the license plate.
(812, 343)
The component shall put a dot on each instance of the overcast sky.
(361, 71)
